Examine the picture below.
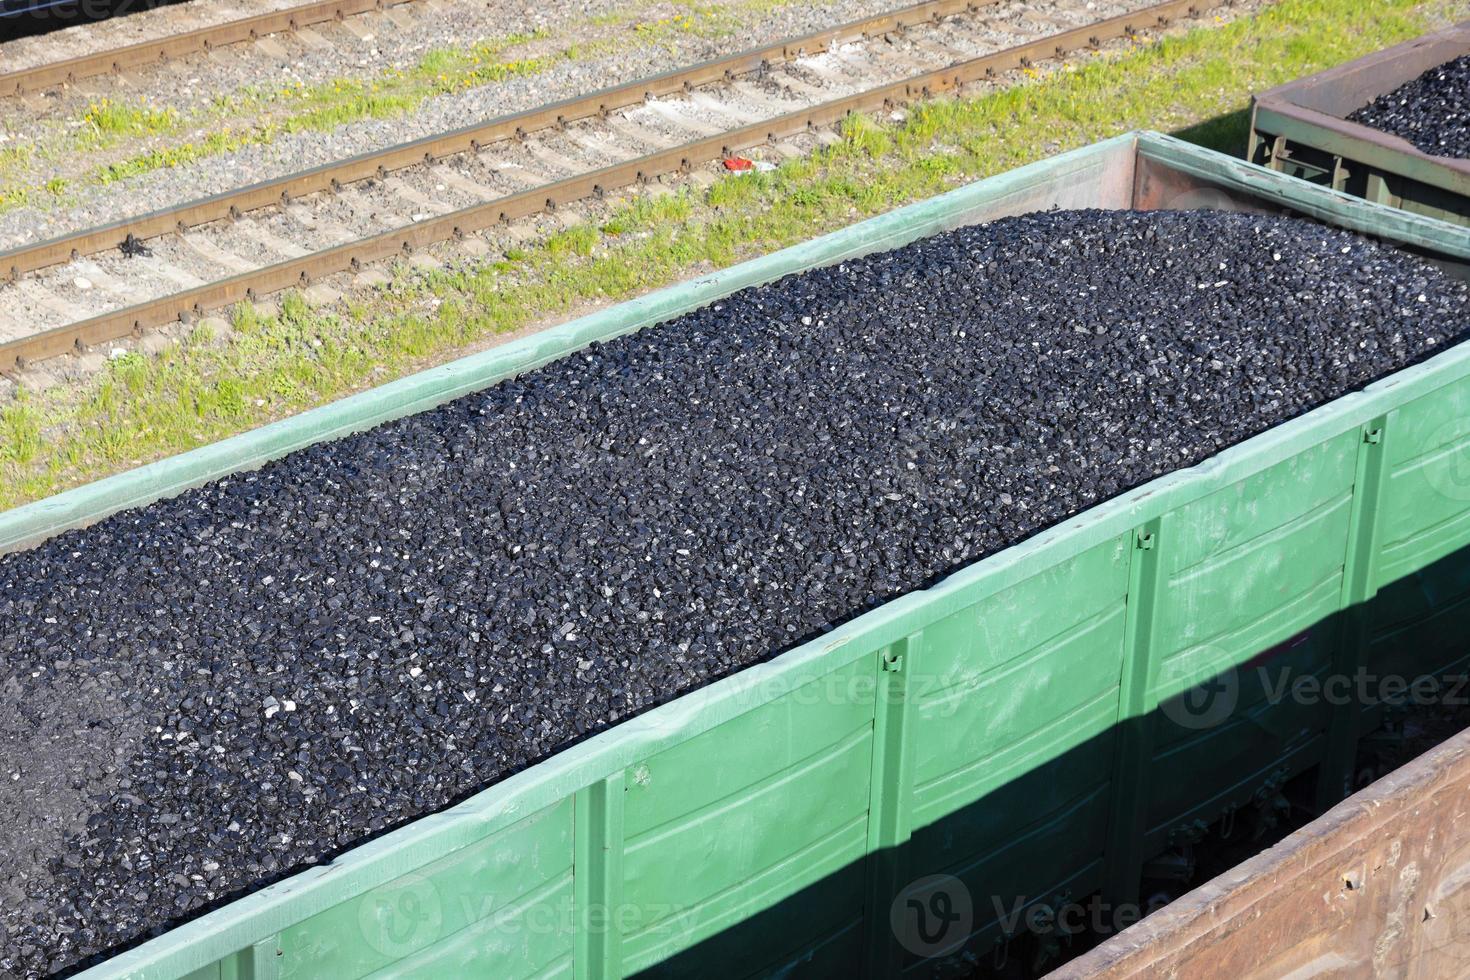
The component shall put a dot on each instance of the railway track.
(181, 261)
(35, 78)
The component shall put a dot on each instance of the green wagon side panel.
(1012, 704)
(1269, 676)
(828, 945)
(776, 738)
(1427, 513)
(1014, 681)
(1417, 616)
(998, 726)
(1250, 567)
(488, 908)
(700, 854)
(1418, 630)
(1011, 877)
(1202, 778)
(1254, 563)
(1030, 711)
(255, 963)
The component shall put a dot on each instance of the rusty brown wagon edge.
(1299, 128)
(1377, 886)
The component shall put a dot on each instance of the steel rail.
(140, 53)
(163, 49)
(301, 270)
(378, 163)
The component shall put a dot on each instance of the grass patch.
(106, 122)
(330, 105)
(13, 158)
(20, 433)
(289, 109)
(578, 240)
(199, 391)
(176, 156)
(1227, 133)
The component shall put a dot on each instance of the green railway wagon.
(1013, 728)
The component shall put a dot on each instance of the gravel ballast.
(1432, 111)
(89, 203)
(263, 671)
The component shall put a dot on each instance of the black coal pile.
(263, 671)
(1432, 111)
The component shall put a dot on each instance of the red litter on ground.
(738, 163)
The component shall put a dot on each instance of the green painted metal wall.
(1007, 727)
